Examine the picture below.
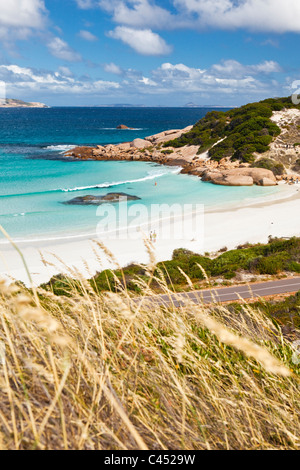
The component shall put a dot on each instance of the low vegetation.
(284, 312)
(238, 133)
(278, 256)
(269, 164)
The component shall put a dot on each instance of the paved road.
(230, 294)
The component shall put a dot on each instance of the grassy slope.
(284, 312)
(245, 130)
(94, 371)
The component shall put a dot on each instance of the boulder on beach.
(97, 200)
(241, 177)
(237, 180)
(266, 182)
(258, 174)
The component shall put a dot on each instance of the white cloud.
(143, 41)
(113, 68)
(87, 36)
(65, 72)
(26, 80)
(86, 4)
(268, 66)
(270, 42)
(232, 67)
(258, 15)
(19, 18)
(147, 81)
(62, 50)
(181, 70)
(24, 13)
(141, 13)
(179, 82)
(228, 77)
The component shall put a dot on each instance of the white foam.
(151, 176)
(129, 129)
(60, 148)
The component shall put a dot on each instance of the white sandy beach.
(277, 216)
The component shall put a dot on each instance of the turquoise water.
(35, 179)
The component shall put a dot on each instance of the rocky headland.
(13, 103)
(168, 148)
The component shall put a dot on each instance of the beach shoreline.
(252, 222)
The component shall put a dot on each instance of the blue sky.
(151, 52)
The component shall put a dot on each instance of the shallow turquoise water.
(35, 180)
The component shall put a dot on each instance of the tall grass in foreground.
(101, 371)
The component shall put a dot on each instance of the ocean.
(36, 179)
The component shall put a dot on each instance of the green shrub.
(246, 130)
(272, 264)
(267, 163)
(294, 267)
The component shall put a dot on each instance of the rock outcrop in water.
(122, 127)
(97, 200)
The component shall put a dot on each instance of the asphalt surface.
(229, 294)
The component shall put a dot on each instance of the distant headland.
(13, 103)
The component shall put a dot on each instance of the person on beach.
(154, 236)
(151, 236)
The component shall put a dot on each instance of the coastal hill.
(264, 134)
(244, 132)
(255, 144)
(13, 103)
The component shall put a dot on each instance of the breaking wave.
(60, 148)
(152, 175)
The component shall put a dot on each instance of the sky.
(149, 52)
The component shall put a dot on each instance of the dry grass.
(95, 371)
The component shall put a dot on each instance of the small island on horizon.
(14, 103)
